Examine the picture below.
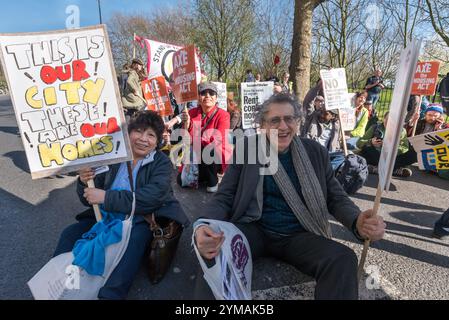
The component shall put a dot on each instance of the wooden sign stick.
(342, 133)
(98, 217)
(416, 121)
(367, 242)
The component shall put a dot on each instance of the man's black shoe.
(440, 232)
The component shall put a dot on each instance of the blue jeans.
(337, 158)
(120, 281)
(374, 97)
(351, 143)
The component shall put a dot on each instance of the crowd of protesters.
(284, 214)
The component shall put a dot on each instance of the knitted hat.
(435, 107)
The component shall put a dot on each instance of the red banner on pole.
(156, 94)
(426, 78)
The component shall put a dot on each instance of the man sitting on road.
(285, 213)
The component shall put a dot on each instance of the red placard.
(185, 87)
(426, 78)
(156, 94)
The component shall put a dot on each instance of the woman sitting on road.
(151, 173)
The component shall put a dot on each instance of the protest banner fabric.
(66, 100)
(156, 95)
(253, 94)
(159, 58)
(426, 78)
(432, 150)
(335, 89)
(398, 106)
(185, 79)
(222, 97)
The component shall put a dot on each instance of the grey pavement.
(408, 263)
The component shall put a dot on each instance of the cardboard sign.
(432, 150)
(185, 86)
(253, 94)
(401, 94)
(335, 89)
(222, 98)
(156, 94)
(347, 118)
(66, 100)
(426, 78)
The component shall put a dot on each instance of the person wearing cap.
(132, 99)
(433, 120)
(210, 123)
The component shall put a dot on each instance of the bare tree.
(168, 25)
(223, 30)
(301, 46)
(275, 31)
(438, 12)
(408, 15)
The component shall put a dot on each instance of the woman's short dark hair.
(262, 109)
(147, 119)
(360, 93)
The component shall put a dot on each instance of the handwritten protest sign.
(335, 89)
(426, 78)
(185, 87)
(432, 150)
(347, 118)
(65, 96)
(156, 94)
(401, 94)
(253, 94)
(222, 97)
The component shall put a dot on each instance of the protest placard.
(432, 150)
(66, 100)
(347, 118)
(335, 89)
(185, 80)
(426, 78)
(156, 95)
(253, 94)
(398, 106)
(222, 97)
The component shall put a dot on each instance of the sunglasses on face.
(210, 92)
(276, 121)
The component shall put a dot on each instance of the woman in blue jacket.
(151, 171)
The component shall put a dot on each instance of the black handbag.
(162, 248)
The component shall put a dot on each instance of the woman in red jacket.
(210, 124)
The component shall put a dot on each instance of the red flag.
(277, 59)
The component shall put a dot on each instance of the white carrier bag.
(59, 279)
(230, 277)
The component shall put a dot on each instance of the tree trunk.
(301, 46)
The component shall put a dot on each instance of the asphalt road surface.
(408, 263)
